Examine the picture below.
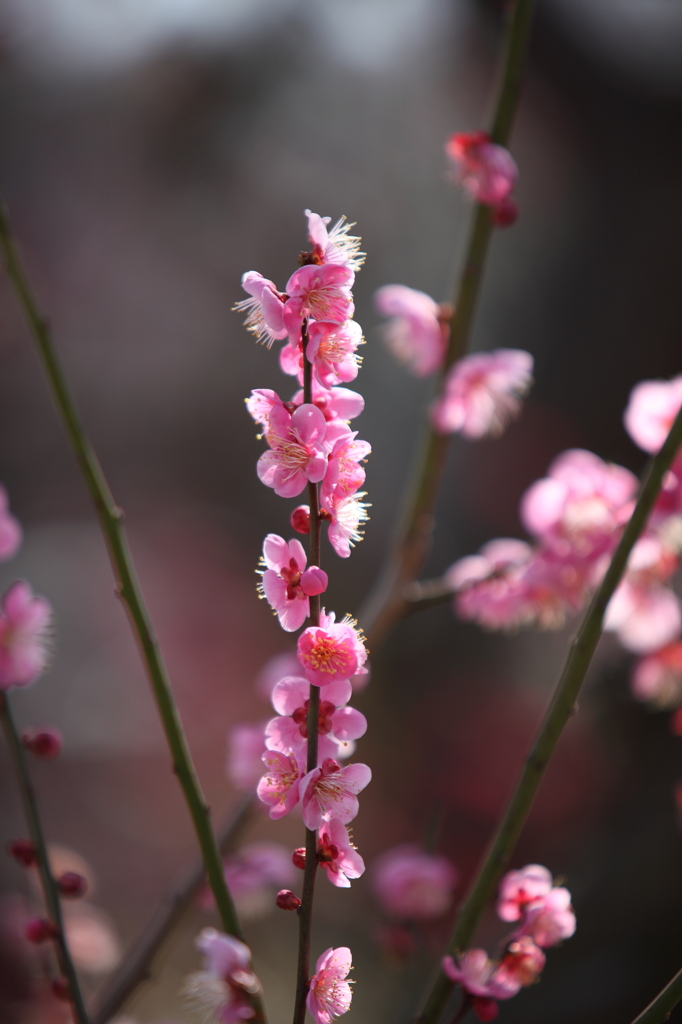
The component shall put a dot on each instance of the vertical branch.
(50, 892)
(305, 912)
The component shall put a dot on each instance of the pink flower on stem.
(643, 613)
(489, 587)
(334, 403)
(279, 787)
(337, 724)
(331, 651)
(10, 530)
(344, 475)
(521, 964)
(264, 309)
(297, 454)
(519, 889)
(652, 407)
(418, 331)
(346, 516)
(658, 677)
(329, 995)
(287, 584)
(478, 975)
(335, 246)
(482, 392)
(223, 987)
(487, 171)
(320, 293)
(245, 746)
(331, 792)
(413, 884)
(332, 349)
(24, 623)
(550, 919)
(337, 855)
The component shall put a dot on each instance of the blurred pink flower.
(658, 677)
(222, 988)
(337, 855)
(651, 410)
(252, 872)
(10, 529)
(276, 668)
(24, 623)
(482, 392)
(331, 651)
(480, 976)
(521, 964)
(413, 884)
(287, 584)
(330, 995)
(417, 331)
(487, 171)
(643, 612)
(550, 918)
(520, 888)
(331, 792)
(245, 749)
(264, 309)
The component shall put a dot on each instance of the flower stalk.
(659, 1008)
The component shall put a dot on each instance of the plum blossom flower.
(297, 453)
(332, 349)
(321, 293)
(335, 246)
(417, 332)
(521, 964)
(652, 407)
(487, 171)
(279, 787)
(346, 515)
(337, 855)
(329, 995)
(252, 872)
(344, 475)
(274, 669)
(413, 884)
(10, 529)
(24, 623)
(331, 651)
(482, 392)
(550, 919)
(331, 792)
(337, 724)
(334, 403)
(223, 988)
(478, 975)
(658, 677)
(645, 614)
(520, 888)
(264, 309)
(287, 584)
(245, 749)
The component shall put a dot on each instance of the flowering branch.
(659, 1008)
(561, 708)
(127, 587)
(386, 604)
(49, 886)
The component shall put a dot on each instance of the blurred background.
(150, 155)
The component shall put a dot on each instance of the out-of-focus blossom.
(264, 309)
(329, 995)
(550, 918)
(322, 293)
(10, 530)
(658, 677)
(91, 936)
(645, 614)
(222, 989)
(417, 332)
(330, 791)
(334, 246)
(276, 668)
(287, 584)
(487, 171)
(518, 889)
(652, 407)
(245, 749)
(480, 976)
(482, 392)
(297, 454)
(43, 743)
(251, 874)
(279, 787)
(331, 651)
(24, 622)
(522, 962)
(337, 855)
(413, 884)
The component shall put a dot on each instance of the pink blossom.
(331, 651)
(346, 515)
(287, 584)
(24, 623)
(344, 475)
(265, 308)
(334, 403)
(337, 855)
(653, 406)
(337, 724)
(335, 246)
(520, 888)
(658, 677)
(10, 530)
(253, 871)
(331, 792)
(332, 349)
(521, 964)
(487, 171)
(296, 453)
(329, 995)
(245, 746)
(550, 919)
(223, 987)
(413, 884)
(322, 293)
(490, 586)
(260, 404)
(274, 669)
(417, 333)
(279, 787)
(478, 975)
(482, 392)
(644, 618)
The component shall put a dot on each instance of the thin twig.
(659, 1008)
(386, 604)
(136, 966)
(110, 519)
(560, 710)
(50, 892)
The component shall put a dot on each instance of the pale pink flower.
(644, 618)
(332, 349)
(24, 624)
(334, 403)
(245, 749)
(10, 530)
(291, 360)
(287, 584)
(297, 453)
(223, 987)
(253, 871)
(335, 246)
(482, 392)
(279, 787)
(337, 724)
(521, 964)
(487, 171)
(337, 855)
(344, 475)
(652, 407)
(658, 677)
(347, 515)
(518, 889)
(413, 884)
(478, 975)
(417, 332)
(274, 669)
(489, 587)
(265, 308)
(550, 919)
(322, 293)
(331, 792)
(329, 995)
(331, 651)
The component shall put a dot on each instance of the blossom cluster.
(545, 917)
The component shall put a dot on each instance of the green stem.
(386, 603)
(659, 1009)
(50, 891)
(562, 706)
(110, 518)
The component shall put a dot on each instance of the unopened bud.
(484, 1008)
(298, 858)
(287, 900)
(300, 519)
(23, 851)
(39, 930)
(60, 989)
(44, 743)
(72, 885)
(505, 214)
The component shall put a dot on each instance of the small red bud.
(60, 989)
(23, 851)
(298, 857)
(484, 1008)
(71, 884)
(39, 930)
(287, 900)
(300, 519)
(44, 743)
(505, 214)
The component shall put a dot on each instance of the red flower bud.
(71, 884)
(44, 743)
(23, 851)
(484, 1008)
(287, 900)
(60, 989)
(39, 930)
(298, 858)
(505, 214)
(300, 519)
